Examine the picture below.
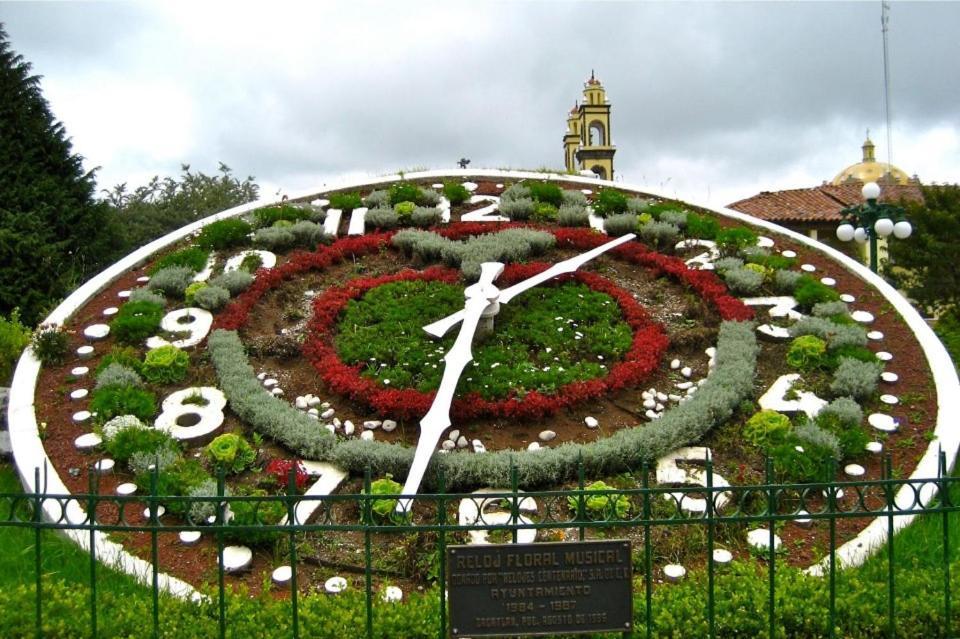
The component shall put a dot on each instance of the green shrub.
(573, 215)
(811, 434)
(377, 199)
(345, 201)
(574, 198)
(515, 192)
(136, 321)
(836, 335)
(638, 205)
(191, 291)
(384, 510)
(809, 292)
(617, 225)
(172, 281)
(146, 295)
(231, 453)
(609, 202)
(165, 365)
(116, 374)
(733, 240)
(428, 197)
(212, 298)
(702, 227)
(424, 216)
(518, 208)
(743, 281)
(130, 441)
(849, 351)
(14, 337)
(224, 234)
(660, 234)
(192, 258)
(270, 215)
(113, 401)
(124, 355)
(806, 352)
(382, 218)
(235, 282)
(404, 192)
(404, 210)
(250, 263)
(773, 262)
(766, 428)
(850, 435)
(676, 218)
(545, 193)
(600, 507)
(947, 329)
(799, 461)
(830, 309)
(142, 464)
(179, 477)
(455, 192)
(254, 513)
(274, 238)
(786, 281)
(544, 212)
(725, 264)
(856, 379)
(50, 344)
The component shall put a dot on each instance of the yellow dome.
(869, 170)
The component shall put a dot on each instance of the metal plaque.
(540, 589)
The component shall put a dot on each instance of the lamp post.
(872, 219)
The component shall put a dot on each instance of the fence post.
(891, 594)
(37, 558)
(219, 521)
(292, 521)
(442, 549)
(944, 507)
(581, 505)
(514, 504)
(832, 511)
(771, 549)
(647, 551)
(710, 539)
(367, 522)
(154, 550)
(93, 486)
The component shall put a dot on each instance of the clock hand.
(442, 326)
(437, 419)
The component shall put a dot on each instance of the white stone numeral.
(484, 214)
(490, 510)
(670, 472)
(192, 413)
(703, 261)
(267, 260)
(328, 477)
(358, 220)
(781, 307)
(195, 322)
(776, 398)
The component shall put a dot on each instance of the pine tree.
(53, 233)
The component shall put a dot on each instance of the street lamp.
(872, 219)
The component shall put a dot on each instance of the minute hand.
(442, 326)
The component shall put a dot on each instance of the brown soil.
(329, 554)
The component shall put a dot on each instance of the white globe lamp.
(884, 226)
(845, 232)
(902, 230)
(860, 235)
(870, 191)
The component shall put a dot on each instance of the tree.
(164, 205)
(924, 266)
(53, 232)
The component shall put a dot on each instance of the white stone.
(884, 356)
(110, 311)
(686, 371)
(348, 427)
(882, 422)
(123, 294)
(674, 397)
(675, 364)
(81, 416)
(591, 422)
(126, 488)
(648, 395)
(87, 441)
(313, 417)
(454, 435)
(874, 447)
(829, 281)
(313, 412)
(282, 575)
(143, 279)
(262, 376)
(849, 299)
(722, 556)
(892, 400)
(105, 465)
(330, 428)
(547, 435)
(863, 317)
(270, 382)
(765, 242)
(661, 397)
(470, 186)
(652, 414)
(788, 253)
(659, 407)
(759, 538)
(372, 424)
(684, 385)
(236, 558)
(448, 445)
(478, 446)
(462, 442)
(803, 519)
(325, 405)
(276, 392)
(533, 446)
(809, 268)
(301, 403)
(189, 537)
(79, 371)
(80, 393)
(389, 425)
(161, 511)
(327, 414)
(96, 331)
(313, 402)
(392, 594)
(674, 572)
(875, 335)
(889, 378)
(333, 585)
(854, 470)
(85, 352)
(367, 435)
(649, 403)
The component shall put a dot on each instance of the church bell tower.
(587, 144)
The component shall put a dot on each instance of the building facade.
(587, 143)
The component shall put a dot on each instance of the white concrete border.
(29, 453)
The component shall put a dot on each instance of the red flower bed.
(649, 339)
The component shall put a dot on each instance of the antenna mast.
(884, 26)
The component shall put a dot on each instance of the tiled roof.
(817, 204)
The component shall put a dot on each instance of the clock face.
(700, 337)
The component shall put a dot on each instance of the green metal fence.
(766, 504)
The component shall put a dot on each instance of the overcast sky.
(711, 101)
